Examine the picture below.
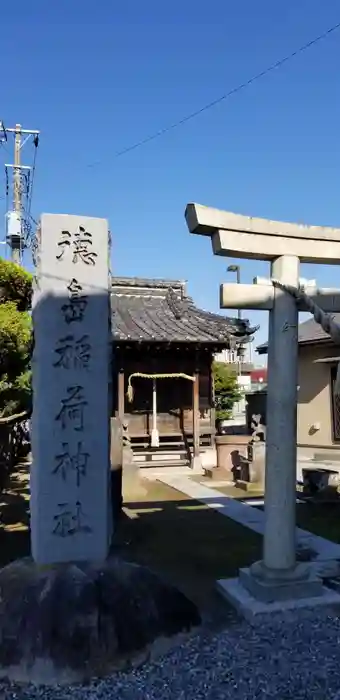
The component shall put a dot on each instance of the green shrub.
(15, 338)
(227, 391)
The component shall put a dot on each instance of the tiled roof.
(309, 332)
(160, 311)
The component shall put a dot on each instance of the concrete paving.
(246, 515)
(302, 463)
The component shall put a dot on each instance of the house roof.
(153, 310)
(259, 374)
(309, 333)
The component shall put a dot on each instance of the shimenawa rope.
(325, 320)
(142, 375)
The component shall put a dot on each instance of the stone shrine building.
(164, 347)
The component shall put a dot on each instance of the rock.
(69, 622)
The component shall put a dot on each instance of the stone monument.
(72, 612)
(70, 423)
(278, 577)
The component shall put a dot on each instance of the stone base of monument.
(218, 474)
(253, 596)
(250, 487)
(132, 484)
(69, 622)
(196, 465)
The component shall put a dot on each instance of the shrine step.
(164, 449)
(152, 457)
(175, 442)
(162, 463)
(218, 474)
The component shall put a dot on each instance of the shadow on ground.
(187, 543)
(14, 517)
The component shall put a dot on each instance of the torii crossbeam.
(277, 577)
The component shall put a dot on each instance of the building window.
(335, 407)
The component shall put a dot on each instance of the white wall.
(244, 383)
(226, 356)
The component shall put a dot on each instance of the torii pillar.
(277, 577)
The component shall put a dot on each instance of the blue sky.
(98, 77)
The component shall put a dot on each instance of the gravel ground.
(290, 658)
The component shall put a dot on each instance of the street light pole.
(237, 269)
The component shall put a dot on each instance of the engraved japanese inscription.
(75, 307)
(71, 366)
(79, 244)
(70, 520)
(71, 412)
(68, 464)
(73, 352)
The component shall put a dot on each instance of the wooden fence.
(14, 443)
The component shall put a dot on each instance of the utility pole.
(16, 250)
(17, 219)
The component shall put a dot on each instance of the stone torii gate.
(278, 577)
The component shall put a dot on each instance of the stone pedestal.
(125, 473)
(264, 586)
(116, 443)
(127, 456)
(254, 608)
(217, 474)
(251, 488)
(257, 462)
(231, 453)
(196, 464)
(116, 458)
(132, 485)
(68, 623)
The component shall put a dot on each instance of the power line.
(220, 99)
